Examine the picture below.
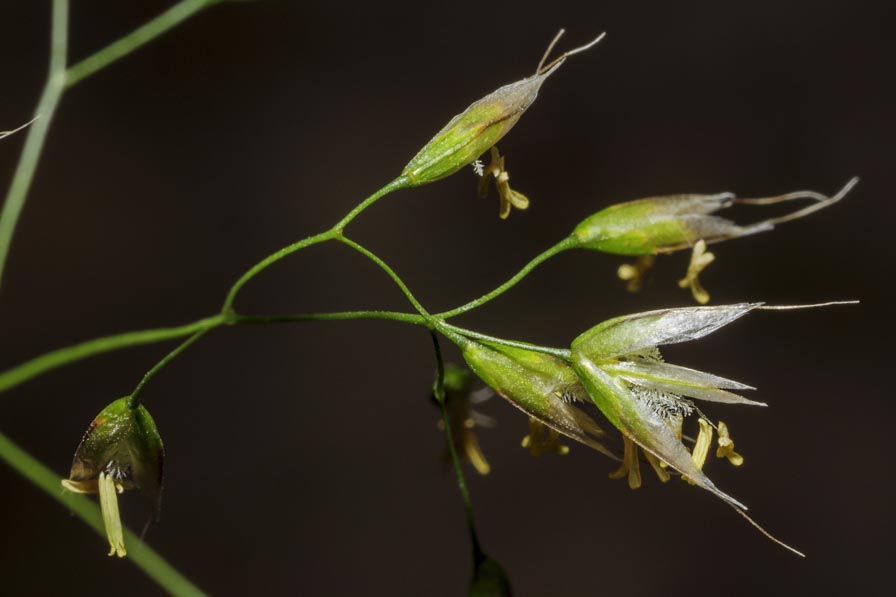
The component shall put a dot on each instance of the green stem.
(333, 233)
(135, 39)
(70, 354)
(63, 356)
(34, 141)
(391, 273)
(230, 317)
(334, 316)
(439, 393)
(401, 182)
(143, 556)
(560, 353)
(565, 244)
(270, 260)
(134, 398)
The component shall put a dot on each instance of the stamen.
(659, 467)
(634, 273)
(700, 258)
(507, 197)
(726, 447)
(543, 440)
(701, 447)
(89, 486)
(491, 170)
(629, 466)
(474, 453)
(109, 491)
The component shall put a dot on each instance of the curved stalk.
(333, 233)
(391, 273)
(399, 183)
(447, 328)
(70, 354)
(332, 316)
(64, 356)
(563, 245)
(272, 259)
(134, 398)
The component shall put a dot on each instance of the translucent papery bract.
(632, 333)
(540, 385)
(474, 131)
(681, 381)
(659, 224)
(640, 423)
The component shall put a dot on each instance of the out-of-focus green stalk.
(34, 141)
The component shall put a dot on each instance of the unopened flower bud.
(542, 386)
(658, 224)
(646, 227)
(475, 130)
(120, 450)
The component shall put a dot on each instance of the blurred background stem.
(61, 78)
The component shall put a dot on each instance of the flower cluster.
(617, 366)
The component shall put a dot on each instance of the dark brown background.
(305, 459)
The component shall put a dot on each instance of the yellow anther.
(701, 447)
(634, 273)
(463, 433)
(109, 491)
(508, 197)
(543, 440)
(700, 258)
(629, 466)
(659, 467)
(471, 448)
(726, 447)
(89, 486)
